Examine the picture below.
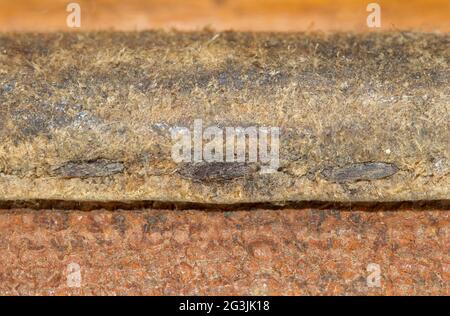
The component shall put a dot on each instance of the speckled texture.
(155, 252)
(86, 116)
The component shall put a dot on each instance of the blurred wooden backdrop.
(258, 15)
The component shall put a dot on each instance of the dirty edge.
(64, 205)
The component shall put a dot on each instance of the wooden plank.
(92, 117)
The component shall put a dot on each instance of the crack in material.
(61, 205)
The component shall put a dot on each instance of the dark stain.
(56, 221)
(219, 2)
(216, 171)
(40, 117)
(87, 169)
(33, 246)
(318, 218)
(119, 223)
(355, 218)
(77, 241)
(381, 238)
(233, 75)
(31, 123)
(95, 226)
(336, 214)
(154, 223)
(58, 245)
(301, 245)
(6, 88)
(360, 171)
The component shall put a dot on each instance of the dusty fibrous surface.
(85, 125)
(303, 251)
(88, 116)
(86, 177)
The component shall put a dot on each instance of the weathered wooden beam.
(91, 116)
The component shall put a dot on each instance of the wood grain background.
(256, 15)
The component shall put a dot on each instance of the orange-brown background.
(258, 15)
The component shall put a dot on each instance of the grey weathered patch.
(42, 118)
(87, 169)
(216, 171)
(360, 171)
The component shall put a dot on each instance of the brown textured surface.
(308, 251)
(305, 251)
(244, 15)
(362, 117)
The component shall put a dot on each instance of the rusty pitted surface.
(90, 116)
(155, 252)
